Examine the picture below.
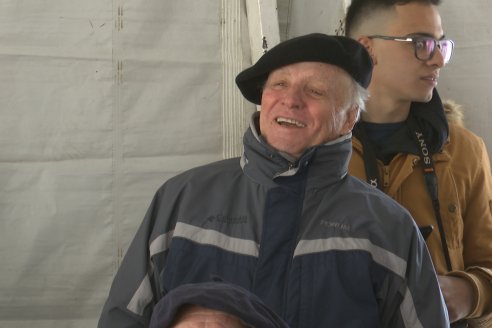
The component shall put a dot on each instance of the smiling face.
(304, 105)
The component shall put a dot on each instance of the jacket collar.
(431, 120)
(324, 164)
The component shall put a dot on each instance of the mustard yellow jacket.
(465, 194)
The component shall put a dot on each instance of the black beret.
(216, 295)
(340, 51)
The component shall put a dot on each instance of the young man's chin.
(423, 97)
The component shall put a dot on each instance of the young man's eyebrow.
(424, 34)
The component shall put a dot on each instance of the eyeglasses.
(424, 47)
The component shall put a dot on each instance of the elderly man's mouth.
(290, 122)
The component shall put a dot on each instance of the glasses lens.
(446, 48)
(424, 48)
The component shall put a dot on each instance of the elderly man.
(285, 221)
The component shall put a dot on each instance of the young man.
(286, 222)
(440, 172)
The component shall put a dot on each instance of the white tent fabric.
(468, 78)
(101, 101)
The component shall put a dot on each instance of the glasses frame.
(414, 40)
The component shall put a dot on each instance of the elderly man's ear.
(368, 44)
(352, 118)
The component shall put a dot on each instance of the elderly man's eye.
(316, 92)
(276, 84)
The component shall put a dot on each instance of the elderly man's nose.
(293, 98)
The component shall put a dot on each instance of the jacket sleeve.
(133, 291)
(416, 299)
(477, 234)
(423, 285)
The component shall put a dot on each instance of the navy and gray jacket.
(319, 247)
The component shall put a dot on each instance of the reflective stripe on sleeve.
(381, 256)
(142, 297)
(215, 238)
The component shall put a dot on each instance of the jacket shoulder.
(376, 202)
(463, 143)
(205, 172)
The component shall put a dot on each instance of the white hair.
(358, 97)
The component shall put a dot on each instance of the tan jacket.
(465, 195)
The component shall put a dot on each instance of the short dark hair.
(359, 9)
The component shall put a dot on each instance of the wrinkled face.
(200, 317)
(305, 105)
(397, 72)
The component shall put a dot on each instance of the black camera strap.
(372, 174)
(431, 183)
(369, 156)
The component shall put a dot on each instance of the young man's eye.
(420, 44)
(425, 43)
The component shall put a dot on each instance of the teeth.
(282, 120)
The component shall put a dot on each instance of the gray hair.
(358, 96)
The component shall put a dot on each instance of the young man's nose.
(437, 59)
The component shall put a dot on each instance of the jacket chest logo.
(335, 225)
(227, 219)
